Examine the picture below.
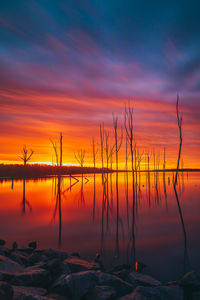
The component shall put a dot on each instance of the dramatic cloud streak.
(68, 65)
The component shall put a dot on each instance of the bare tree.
(107, 148)
(26, 154)
(61, 149)
(118, 140)
(179, 121)
(102, 144)
(55, 150)
(94, 152)
(128, 124)
(164, 159)
(80, 157)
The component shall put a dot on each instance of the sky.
(68, 65)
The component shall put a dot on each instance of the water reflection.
(25, 202)
(125, 216)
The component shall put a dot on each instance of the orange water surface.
(95, 213)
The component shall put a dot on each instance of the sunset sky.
(67, 65)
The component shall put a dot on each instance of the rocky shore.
(31, 274)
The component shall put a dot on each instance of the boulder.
(102, 292)
(121, 287)
(26, 250)
(123, 274)
(55, 297)
(33, 245)
(19, 258)
(76, 254)
(56, 268)
(120, 268)
(2, 242)
(137, 279)
(9, 266)
(21, 292)
(196, 296)
(14, 245)
(190, 280)
(78, 265)
(47, 254)
(75, 286)
(32, 277)
(157, 293)
(6, 291)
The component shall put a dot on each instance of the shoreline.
(47, 274)
(46, 171)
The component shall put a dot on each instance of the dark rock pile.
(30, 274)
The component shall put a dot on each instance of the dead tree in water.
(61, 149)
(179, 121)
(102, 144)
(186, 265)
(80, 157)
(55, 150)
(128, 124)
(118, 140)
(94, 152)
(26, 156)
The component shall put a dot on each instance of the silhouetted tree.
(61, 149)
(118, 140)
(94, 152)
(26, 154)
(55, 150)
(179, 121)
(128, 124)
(80, 157)
(102, 144)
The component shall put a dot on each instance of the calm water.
(89, 214)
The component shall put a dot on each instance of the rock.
(48, 254)
(32, 277)
(155, 293)
(9, 266)
(76, 254)
(19, 258)
(36, 258)
(26, 250)
(32, 297)
(14, 245)
(120, 268)
(123, 274)
(6, 291)
(21, 292)
(2, 242)
(78, 265)
(137, 279)
(56, 268)
(33, 245)
(101, 293)
(55, 297)
(122, 287)
(190, 280)
(196, 296)
(65, 270)
(2, 252)
(75, 286)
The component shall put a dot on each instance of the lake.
(94, 213)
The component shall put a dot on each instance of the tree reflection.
(25, 202)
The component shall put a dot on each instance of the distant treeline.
(36, 171)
